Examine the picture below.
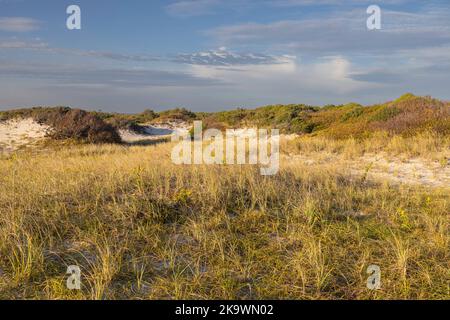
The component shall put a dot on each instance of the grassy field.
(142, 228)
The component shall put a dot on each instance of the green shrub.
(385, 114)
(355, 113)
(181, 114)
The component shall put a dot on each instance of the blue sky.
(210, 55)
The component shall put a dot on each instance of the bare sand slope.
(15, 134)
(155, 132)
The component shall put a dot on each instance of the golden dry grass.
(425, 145)
(142, 228)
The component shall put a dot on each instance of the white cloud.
(18, 24)
(224, 57)
(332, 74)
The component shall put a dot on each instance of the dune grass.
(426, 145)
(142, 228)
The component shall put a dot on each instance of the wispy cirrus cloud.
(189, 8)
(342, 33)
(113, 55)
(303, 3)
(39, 45)
(220, 57)
(19, 24)
(23, 44)
(119, 77)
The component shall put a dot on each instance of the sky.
(210, 55)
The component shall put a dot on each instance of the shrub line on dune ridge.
(407, 116)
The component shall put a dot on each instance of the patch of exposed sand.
(155, 132)
(17, 133)
(414, 171)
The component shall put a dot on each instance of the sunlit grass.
(142, 228)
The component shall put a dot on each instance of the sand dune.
(155, 132)
(19, 133)
(15, 134)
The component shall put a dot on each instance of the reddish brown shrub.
(414, 115)
(79, 125)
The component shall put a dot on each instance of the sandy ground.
(15, 134)
(155, 132)
(381, 167)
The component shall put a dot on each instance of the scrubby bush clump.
(410, 115)
(181, 114)
(67, 123)
(137, 122)
(80, 125)
(128, 121)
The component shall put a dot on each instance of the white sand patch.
(18, 133)
(155, 132)
(414, 171)
(411, 171)
(168, 129)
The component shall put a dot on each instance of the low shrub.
(80, 125)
